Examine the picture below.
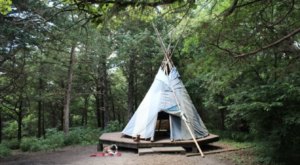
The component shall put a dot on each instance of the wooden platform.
(143, 151)
(126, 142)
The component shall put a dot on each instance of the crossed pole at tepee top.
(167, 65)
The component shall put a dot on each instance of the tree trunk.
(130, 92)
(61, 118)
(53, 108)
(112, 103)
(98, 107)
(85, 111)
(222, 110)
(39, 119)
(43, 122)
(104, 86)
(102, 107)
(60, 106)
(40, 108)
(68, 91)
(19, 120)
(275, 66)
(0, 125)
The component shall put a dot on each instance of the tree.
(68, 90)
(5, 6)
(250, 90)
(16, 104)
(1, 126)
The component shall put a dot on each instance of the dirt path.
(79, 155)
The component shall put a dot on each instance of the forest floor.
(81, 155)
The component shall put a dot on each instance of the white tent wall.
(144, 119)
(187, 109)
(167, 93)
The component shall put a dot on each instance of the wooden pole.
(189, 129)
(170, 64)
(192, 134)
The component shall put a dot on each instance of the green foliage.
(56, 139)
(4, 151)
(255, 98)
(113, 126)
(10, 131)
(12, 143)
(238, 145)
(29, 125)
(259, 95)
(236, 136)
(82, 136)
(27, 143)
(34, 144)
(5, 6)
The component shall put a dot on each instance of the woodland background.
(92, 61)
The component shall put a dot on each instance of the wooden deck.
(143, 151)
(127, 142)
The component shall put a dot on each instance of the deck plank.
(143, 151)
(169, 149)
(116, 138)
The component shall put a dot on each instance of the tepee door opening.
(163, 126)
(162, 129)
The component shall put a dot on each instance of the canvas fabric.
(167, 93)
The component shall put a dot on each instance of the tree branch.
(223, 49)
(271, 44)
(235, 5)
(231, 9)
(129, 2)
(248, 3)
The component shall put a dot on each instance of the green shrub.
(27, 143)
(12, 144)
(113, 126)
(10, 130)
(55, 140)
(241, 136)
(91, 136)
(29, 126)
(74, 137)
(82, 135)
(4, 151)
(41, 145)
(234, 135)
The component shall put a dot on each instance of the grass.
(238, 145)
(244, 155)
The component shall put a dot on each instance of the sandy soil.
(79, 155)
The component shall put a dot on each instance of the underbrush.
(234, 135)
(4, 151)
(55, 139)
(264, 152)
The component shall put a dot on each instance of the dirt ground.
(81, 155)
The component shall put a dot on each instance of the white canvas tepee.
(167, 94)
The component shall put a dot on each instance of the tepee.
(166, 94)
